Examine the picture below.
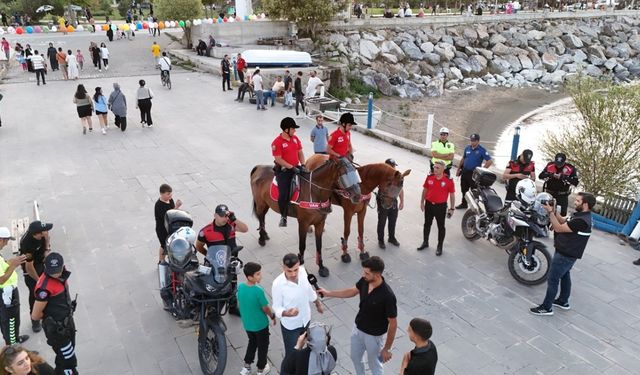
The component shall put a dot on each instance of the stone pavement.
(99, 192)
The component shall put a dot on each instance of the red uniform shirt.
(438, 189)
(287, 149)
(340, 141)
(240, 64)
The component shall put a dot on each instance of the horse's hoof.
(364, 255)
(346, 258)
(262, 242)
(323, 271)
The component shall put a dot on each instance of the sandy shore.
(486, 111)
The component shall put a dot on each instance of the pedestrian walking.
(80, 59)
(61, 57)
(241, 64)
(423, 358)
(519, 169)
(559, 176)
(258, 89)
(100, 104)
(288, 89)
(51, 55)
(104, 55)
(144, 97)
(299, 94)
(390, 214)
(10, 305)
(474, 156)
(433, 202)
(443, 150)
(28, 52)
(320, 136)
(94, 50)
(17, 360)
(155, 51)
(6, 48)
(255, 314)
(73, 70)
(110, 28)
(163, 204)
(20, 56)
(54, 306)
(292, 293)
(570, 240)
(118, 105)
(35, 245)
(377, 316)
(38, 64)
(313, 353)
(225, 68)
(84, 106)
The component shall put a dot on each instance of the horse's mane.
(376, 171)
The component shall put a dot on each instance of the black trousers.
(284, 178)
(244, 88)
(466, 183)
(240, 76)
(10, 318)
(257, 341)
(439, 212)
(40, 73)
(121, 122)
(105, 62)
(383, 214)
(31, 285)
(97, 62)
(562, 200)
(145, 110)
(299, 100)
(226, 77)
(64, 345)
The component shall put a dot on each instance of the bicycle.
(165, 77)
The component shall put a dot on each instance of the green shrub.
(357, 86)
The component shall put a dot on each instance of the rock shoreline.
(417, 62)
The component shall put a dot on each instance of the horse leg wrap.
(344, 244)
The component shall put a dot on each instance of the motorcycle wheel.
(212, 348)
(534, 274)
(468, 224)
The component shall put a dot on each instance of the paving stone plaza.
(99, 190)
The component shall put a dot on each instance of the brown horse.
(380, 175)
(315, 187)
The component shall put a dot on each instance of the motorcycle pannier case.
(176, 219)
(483, 177)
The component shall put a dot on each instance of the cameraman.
(222, 231)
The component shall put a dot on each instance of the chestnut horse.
(380, 175)
(316, 188)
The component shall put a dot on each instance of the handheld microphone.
(313, 280)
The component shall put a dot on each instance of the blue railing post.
(370, 111)
(516, 141)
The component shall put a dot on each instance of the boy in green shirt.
(255, 313)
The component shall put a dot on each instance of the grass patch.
(356, 87)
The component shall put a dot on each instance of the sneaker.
(382, 245)
(106, 68)
(637, 262)
(36, 326)
(84, 130)
(245, 371)
(90, 129)
(423, 246)
(22, 338)
(283, 222)
(150, 125)
(394, 242)
(563, 306)
(104, 131)
(265, 370)
(540, 311)
(439, 250)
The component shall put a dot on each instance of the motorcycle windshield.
(219, 257)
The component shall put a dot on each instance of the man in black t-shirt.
(377, 315)
(423, 358)
(35, 245)
(164, 204)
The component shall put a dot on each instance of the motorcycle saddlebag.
(483, 177)
(176, 219)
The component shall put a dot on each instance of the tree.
(185, 10)
(605, 146)
(310, 15)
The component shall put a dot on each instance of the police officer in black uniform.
(54, 306)
(517, 170)
(35, 245)
(390, 213)
(222, 231)
(559, 176)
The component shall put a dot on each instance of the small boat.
(276, 58)
(332, 109)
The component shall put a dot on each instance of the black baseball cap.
(527, 155)
(347, 118)
(38, 227)
(288, 123)
(560, 159)
(474, 137)
(391, 162)
(53, 263)
(222, 210)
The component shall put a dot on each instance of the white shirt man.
(291, 293)
(257, 82)
(312, 85)
(165, 63)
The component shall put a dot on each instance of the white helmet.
(526, 191)
(444, 130)
(187, 233)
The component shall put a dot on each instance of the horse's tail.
(254, 205)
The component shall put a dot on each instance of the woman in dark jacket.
(28, 52)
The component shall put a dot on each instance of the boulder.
(432, 58)
(460, 42)
(531, 75)
(611, 63)
(470, 34)
(572, 41)
(596, 60)
(470, 51)
(435, 88)
(463, 65)
(623, 50)
(368, 49)
(389, 46)
(369, 81)
(526, 62)
(497, 39)
(412, 90)
(558, 45)
(597, 51)
(579, 56)
(427, 47)
(501, 50)
(478, 64)
(536, 35)
(389, 58)
(383, 85)
(411, 50)
(342, 49)
(426, 69)
(456, 73)
(338, 39)
(554, 78)
(593, 71)
(610, 52)
(570, 68)
(550, 61)
(498, 66)
(445, 54)
(634, 70)
(372, 37)
(514, 62)
(485, 52)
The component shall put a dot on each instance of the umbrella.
(44, 8)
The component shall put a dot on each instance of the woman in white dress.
(72, 66)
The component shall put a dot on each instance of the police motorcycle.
(204, 292)
(512, 227)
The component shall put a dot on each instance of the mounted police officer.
(54, 306)
(289, 161)
(559, 176)
(10, 305)
(340, 140)
(222, 231)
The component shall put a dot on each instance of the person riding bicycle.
(165, 65)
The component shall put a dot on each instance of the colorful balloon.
(37, 29)
(231, 19)
(181, 23)
(70, 29)
(80, 28)
(114, 27)
(54, 29)
(19, 30)
(145, 25)
(29, 30)
(161, 25)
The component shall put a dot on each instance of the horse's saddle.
(295, 189)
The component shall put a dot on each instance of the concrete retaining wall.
(236, 33)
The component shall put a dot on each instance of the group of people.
(50, 304)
